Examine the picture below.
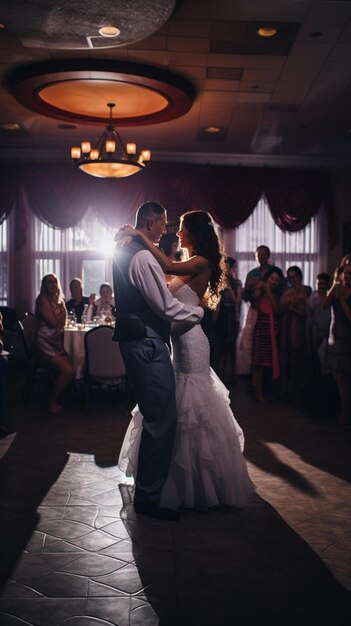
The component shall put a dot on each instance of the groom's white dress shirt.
(146, 275)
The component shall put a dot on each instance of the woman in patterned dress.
(264, 346)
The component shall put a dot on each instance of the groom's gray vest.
(134, 318)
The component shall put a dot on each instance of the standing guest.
(264, 348)
(338, 355)
(255, 275)
(262, 256)
(320, 397)
(318, 319)
(78, 301)
(105, 305)
(3, 382)
(51, 313)
(227, 323)
(293, 305)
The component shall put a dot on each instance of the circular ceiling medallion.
(88, 97)
(78, 92)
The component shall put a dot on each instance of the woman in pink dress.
(264, 345)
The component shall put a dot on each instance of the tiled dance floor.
(74, 553)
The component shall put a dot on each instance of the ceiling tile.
(311, 49)
(261, 75)
(328, 12)
(257, 86)
(265, 62)
(220, 98)
(182, 58)
(222, 85)
(186, 28)
(281, 11)
(187, 44)
(253, 97)
(327, 32)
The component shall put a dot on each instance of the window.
(303, 248)
(85, 251)
(4, 262)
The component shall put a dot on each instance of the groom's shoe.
(152, 509)
(170, 515)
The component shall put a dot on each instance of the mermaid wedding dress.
(208, 467)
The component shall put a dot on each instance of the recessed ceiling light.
(266, 31)
(109, 31)
(316, 33)
(11, 126)
(212, 129)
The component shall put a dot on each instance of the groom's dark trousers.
(150, 373)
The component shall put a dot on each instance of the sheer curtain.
(84, 250)
(306, 248)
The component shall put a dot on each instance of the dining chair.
(34, 371)
(103, 359)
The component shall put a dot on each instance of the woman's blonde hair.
(59, 297)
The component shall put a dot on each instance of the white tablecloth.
(73, 342)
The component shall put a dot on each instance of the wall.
(341, 183)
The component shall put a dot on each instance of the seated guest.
(3, 382)
(105, 305)
(78, 301)
(51, 316)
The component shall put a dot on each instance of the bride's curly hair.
(205, 243)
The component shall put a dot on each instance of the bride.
(208, 467)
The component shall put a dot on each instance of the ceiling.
(281, 100)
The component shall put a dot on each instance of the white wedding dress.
(208, 467)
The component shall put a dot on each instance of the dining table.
(73, 343)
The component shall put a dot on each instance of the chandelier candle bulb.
(110, 146)
(86, 147)
(131, 148)
(76, 153)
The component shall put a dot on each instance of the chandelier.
(109, 158)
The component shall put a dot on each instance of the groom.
(145, 309)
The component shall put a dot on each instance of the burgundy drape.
(9, 185)
(59, 194)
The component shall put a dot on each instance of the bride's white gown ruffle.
(208, 467)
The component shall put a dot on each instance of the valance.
(59, 194)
